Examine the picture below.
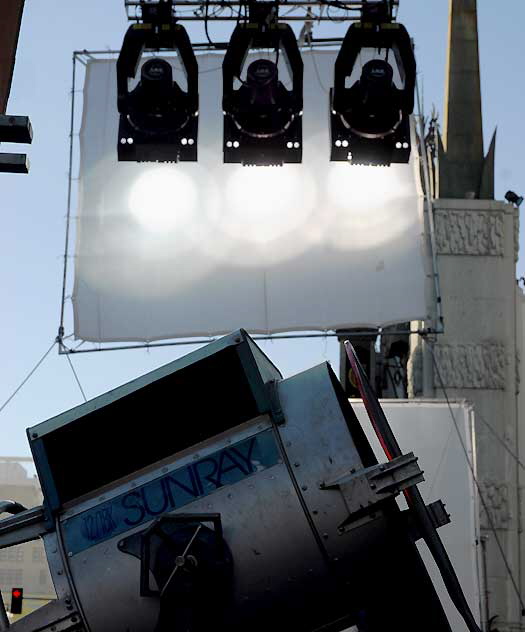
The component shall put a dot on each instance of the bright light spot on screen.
(364, 200)
(263, 204)
(163, 199)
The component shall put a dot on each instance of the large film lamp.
(212, 494)
(371, 103)
(262, 118)
(158, 119)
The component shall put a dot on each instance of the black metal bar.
(69, 192)
(413, 496)
(353, 4)
(202, 341)
(315, 42)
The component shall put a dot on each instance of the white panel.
(202, 248)
(427, 429)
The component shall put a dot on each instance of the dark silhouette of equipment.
(261, 501)
(15, 129)
(370, 119)
(262, 118)
(158, 119)
(514, 198)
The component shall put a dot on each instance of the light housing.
(262, 118)
(514, 198)
(158, 119)
(370, 120)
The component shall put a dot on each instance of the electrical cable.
(28, 376)
(501, 440)
(478, 486)
(76, 377)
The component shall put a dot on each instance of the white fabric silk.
(168, 251)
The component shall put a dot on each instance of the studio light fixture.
(262, 118)
(371, 102)
(158, 119)
(514, 198)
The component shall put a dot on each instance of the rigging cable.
(478, 486)
(28, 376)
(76, 377)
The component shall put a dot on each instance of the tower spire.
(463, 171)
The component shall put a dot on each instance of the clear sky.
(33, 207)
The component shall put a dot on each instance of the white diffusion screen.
(174, 250)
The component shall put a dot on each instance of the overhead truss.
(235, 10)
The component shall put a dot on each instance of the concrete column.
(477, 357)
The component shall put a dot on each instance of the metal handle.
(11, 507)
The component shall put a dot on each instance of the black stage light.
(370, 120)
(14, 129)
(158, 119)
(514, 198)
(262, 118)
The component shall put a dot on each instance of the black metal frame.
(79, 57)
(297, 11)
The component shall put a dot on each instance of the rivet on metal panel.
(230, 495)
(60, 572)
(237, 339)
(381, 468)
(288, 444)
(73, 619)
(304, 487)
(315, 512)
(336, 559)
(325, 536)
(352, 471)
(372, 485)
(297, 464)
(70, 554)
(34, 435)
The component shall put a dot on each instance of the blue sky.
(33, 207)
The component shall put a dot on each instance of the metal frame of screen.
(80, 58)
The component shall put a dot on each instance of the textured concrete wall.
(478, 359)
